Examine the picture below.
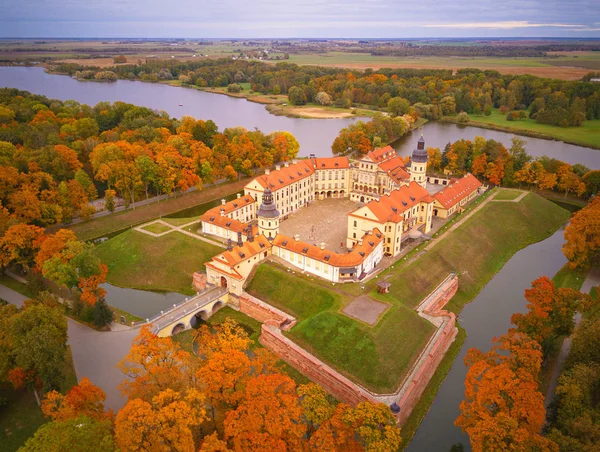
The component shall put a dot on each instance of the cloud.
(506, 25)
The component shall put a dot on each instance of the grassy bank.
(587, 135)
(138, 261)
(108, 224)
(377, 357)
(478, 249)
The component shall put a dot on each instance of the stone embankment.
(412, 387)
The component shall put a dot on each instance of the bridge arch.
(177, 329)
(218, 305)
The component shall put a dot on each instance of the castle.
(396, 207)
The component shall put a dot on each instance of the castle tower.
(418, 164)
(268, 216)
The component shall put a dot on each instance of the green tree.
(102, 314)
(81, 434)
(296, 96)
(397, 106)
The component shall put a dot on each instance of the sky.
(299, 18)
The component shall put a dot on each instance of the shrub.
(102, 314)
(463, 118)
(322, 98)
(234, 88)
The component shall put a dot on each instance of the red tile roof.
(353, 258)
(457, 190)
(286, 175)
(331, 163)
(394, 168)
(241, 253)
(213, 215)
(381, 154)
(391, 207)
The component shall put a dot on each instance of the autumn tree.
(84, 399)
(582, 236)
(154, 364)
(375, 426)
(19, 245)
(268, 418)
(503, 408)
(168, 421)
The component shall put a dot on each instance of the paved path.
(592, 280)
(175, 228)
(95, 353)
(517, 199)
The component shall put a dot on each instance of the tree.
(463, 118)
(102, 314)
(284, 144)
(336, 433)
(591, 179)
(375, 426)
(503, 407)
(39, 340)
(154, 364)
(569, 181)
(52, 244)
(109, 200)
(167, 422)
(84, 399)
(322, 98)
(80, 434)
(582, 236)
(268, 418)
(479, 165)
(316, 405)
(397, 106)
(434, 158)
(19, 245)
(296, 96)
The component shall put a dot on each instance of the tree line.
(55, 157)
(432, 92)
(225, 395)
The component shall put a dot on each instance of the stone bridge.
(186, 314)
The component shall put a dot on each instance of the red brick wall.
(263, 312)
(319, 372)
(199, 281)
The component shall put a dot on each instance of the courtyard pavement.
(322, 221)
(95, 353)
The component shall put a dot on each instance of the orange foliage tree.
(19, 245)
(84, 399)
(582, 236)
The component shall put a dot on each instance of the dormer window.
(305, 250)
(285, 242)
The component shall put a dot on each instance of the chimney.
(222, 211)
(239, 242)
(229, 244)
(239, 195)
(277, 167)
(322, 245)
(297, 237)
(359, 242)
(286, 164)
(267, 172)
(250, 236)
(294, 161)
(223, 202)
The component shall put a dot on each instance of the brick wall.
(265, 313)
(199, 281)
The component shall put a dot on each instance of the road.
(95, 353)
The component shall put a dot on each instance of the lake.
(314, 135)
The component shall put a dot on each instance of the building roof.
(322, 163)
(246, 251)
(381, 154)
(355, 257)
(419, 155)
(394, 168)
(286, 175)
(228, 207)
(267, 209)
(392, 206)
(223, 222)
(457, 190)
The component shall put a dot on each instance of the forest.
(432, 93)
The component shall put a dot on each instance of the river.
(487, 316)
(314, 135)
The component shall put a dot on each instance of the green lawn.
(136, 260)
(15, 285)
(477, 249)
(377, 357)
(505, 194)
(156, 228)
(587, 135)
(181, 221)
(570, 278)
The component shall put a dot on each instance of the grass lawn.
(505, 194)
(100, 227)
(181, 221)
(477, 250)
(138, 261)
(587, 135)
(15, 285)
(570, 278)
(156, 228)
(376, 357)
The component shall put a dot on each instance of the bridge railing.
(202, 298)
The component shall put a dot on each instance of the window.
(354, 235)
(354, 223)
(389, 240)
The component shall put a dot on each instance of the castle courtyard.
(322, 221)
